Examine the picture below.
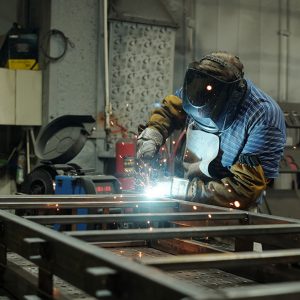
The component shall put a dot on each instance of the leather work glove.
(148, 144)
(241, 190)
(195, 190)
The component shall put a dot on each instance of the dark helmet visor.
(201, 88)
(208, 99)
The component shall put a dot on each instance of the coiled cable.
(46, 42)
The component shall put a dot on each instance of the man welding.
(235, 133)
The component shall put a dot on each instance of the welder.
(235, 133)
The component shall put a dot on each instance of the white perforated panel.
(141, 70)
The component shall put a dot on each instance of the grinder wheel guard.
(63, 138)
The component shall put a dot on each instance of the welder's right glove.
(148, 144)
(238, 191)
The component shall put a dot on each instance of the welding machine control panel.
(86, 184)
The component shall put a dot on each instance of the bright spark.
(237, 204)
(162, 189)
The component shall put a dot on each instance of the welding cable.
(46, 43)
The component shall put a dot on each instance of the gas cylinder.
(125, 163)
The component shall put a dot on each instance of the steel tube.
(271, 291)
(98, 204)
(269, 219)
(186, 232)
(152, 217)
(64, 198)
(223, 260)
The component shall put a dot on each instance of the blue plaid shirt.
(258, 129)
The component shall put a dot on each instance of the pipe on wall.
(106, 70)
(283, 55)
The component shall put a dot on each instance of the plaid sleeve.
(267, 143)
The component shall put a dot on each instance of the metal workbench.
(141, 248)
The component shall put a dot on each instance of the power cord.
(46, 42)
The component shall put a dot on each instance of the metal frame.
(172, 226)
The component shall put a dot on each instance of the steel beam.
(148, 217)
(76, 198)
(270, 219)
(75, 204)
(271, 291)
(188, 232)
(223, 260)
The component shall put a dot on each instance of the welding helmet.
(212, 92)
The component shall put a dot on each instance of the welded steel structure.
(140, 248)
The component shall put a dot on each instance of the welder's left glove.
(239, 191)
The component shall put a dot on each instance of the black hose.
(46, 42)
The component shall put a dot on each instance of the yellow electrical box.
(19, 51)
(22, 64)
